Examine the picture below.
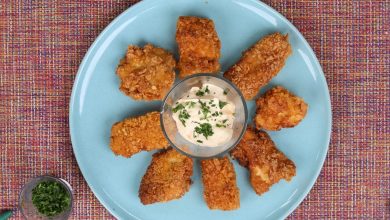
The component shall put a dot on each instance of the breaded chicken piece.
(168, 177)
(199, 46)
(279, 108)
(146, 73)
(259, 64)
(142, 133)
(220, 189)
(266, 164)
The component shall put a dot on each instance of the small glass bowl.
(27, 207)
(169, 125)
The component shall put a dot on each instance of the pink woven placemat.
(42, 43)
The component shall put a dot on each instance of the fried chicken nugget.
(266, 164)
(168, 177)
(146, 73)
(219, 183)
(279, 108)
(142, 133)
(259, 64)
(199, 46)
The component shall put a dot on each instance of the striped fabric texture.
(43, 42)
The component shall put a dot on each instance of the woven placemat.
(42, 43)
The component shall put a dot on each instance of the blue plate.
(97, 103)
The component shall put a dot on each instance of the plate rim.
(134, 9)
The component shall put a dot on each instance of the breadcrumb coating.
(146, 73)
(142, 133)
(220, 189)
(278, 109)
(259, 64)
(267, 165)
(199, 46)
(168, 177)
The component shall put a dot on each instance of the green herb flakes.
(205, 129)
(183, 115)
(191, 104)
(207, 90)
(202, 92)
(177, 108)
(225, 91)
(222, 104)
(220, 126)
(199, 93)
(204, 109)
(50, 198)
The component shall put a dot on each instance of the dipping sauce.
(204, 116)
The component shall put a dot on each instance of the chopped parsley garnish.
(205, 129)
(215, 114)
(220, 126)
(199, 141)
(183, 115)
(225, 92)
(207, 90)
(190, 104)
(177, 108)
(50, 198)
(204, 108)
(199, 93)
(222, 104)
(224, 121)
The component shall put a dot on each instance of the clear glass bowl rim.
(221, 154)
(39, 179)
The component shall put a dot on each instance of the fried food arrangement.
(219, 183)
(259, 64)
(266, 164)
(168, 177)
(142, 133)
(146, 73)
(199, 46)
(279, 108)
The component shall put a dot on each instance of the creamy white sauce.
(204, 116)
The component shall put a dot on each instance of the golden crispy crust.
(219, 184)
(279, 108)
(168, 177)
(133, 135)
(199, 46)
(259, 64)
(146, 73)
(266, 164)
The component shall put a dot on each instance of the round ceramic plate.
(96, 104)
